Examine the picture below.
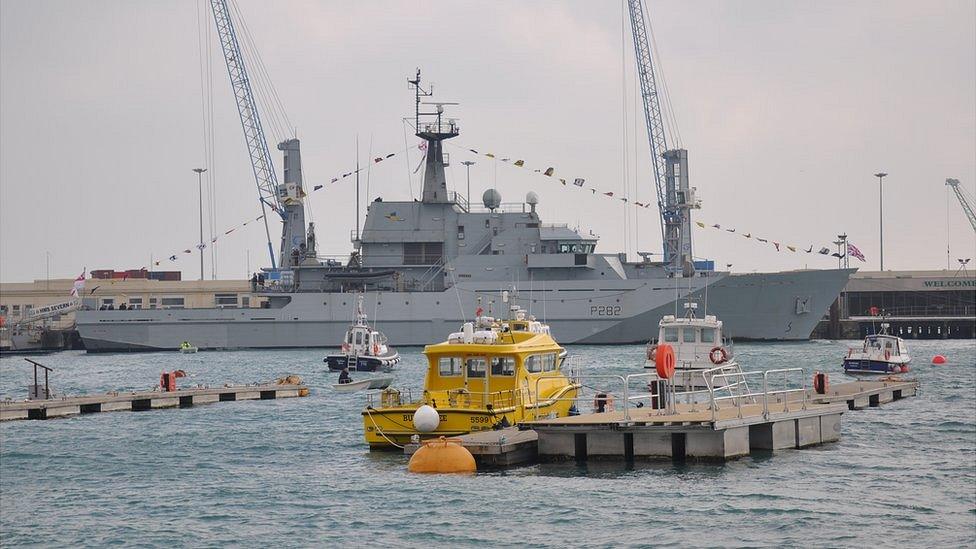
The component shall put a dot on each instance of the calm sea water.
(295, 472)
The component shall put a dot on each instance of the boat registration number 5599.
(605, 310)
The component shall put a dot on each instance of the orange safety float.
(664, 361)
(442, 455)
(376, 349)
(718, 355)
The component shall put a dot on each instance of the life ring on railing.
(651, 351)
(887, 354)
(376, 349)
(345, 347)
(718, 355)
(850, 352)
(664, 361)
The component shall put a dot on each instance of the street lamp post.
(881, 176)
(468, 164)
(199, 172)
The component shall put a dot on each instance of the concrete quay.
(867, 393)
(689, 433)
(144, 400)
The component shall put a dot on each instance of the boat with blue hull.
(881, 353)
(364, 348)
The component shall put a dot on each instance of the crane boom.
(257, 145)
(674, 197)
(966, 206)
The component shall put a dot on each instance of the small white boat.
(699, 345)
(881, 353)
(381, 382)
(187, 349)
(364, 349)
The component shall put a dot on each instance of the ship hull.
(755, 306)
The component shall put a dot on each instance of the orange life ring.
(376, 349)
(651, 352)
(718, 355)
(887, 354)
(664, 361)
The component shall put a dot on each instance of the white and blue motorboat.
(882, 353)
(364, 348)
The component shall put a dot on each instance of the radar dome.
(531, 198)
(492, 199)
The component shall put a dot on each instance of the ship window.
(708, 335)
(135, 302)
(349, 338)
(171, 302)
(449, 366)
(359, 338)
(460, 232)
(422, 253)
(225, 300)
(476, 367)
(502, 366)
(548, 362)
(688, 335)
(671, 334)
(535, 363)
(245, 301)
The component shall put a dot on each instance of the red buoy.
(939, 359)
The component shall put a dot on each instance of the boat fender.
(887, 354)
(651, 352)
(718, 355)
(426, 419)
(850, 352)
(664, 361)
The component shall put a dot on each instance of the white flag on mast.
(79, 284)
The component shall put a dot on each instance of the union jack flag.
(854, 252)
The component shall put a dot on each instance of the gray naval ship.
(427, 265)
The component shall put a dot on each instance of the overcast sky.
(786, 108)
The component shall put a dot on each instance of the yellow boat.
(492, 374)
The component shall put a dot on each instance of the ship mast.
(433, 128)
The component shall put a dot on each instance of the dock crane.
(286, 200)
(963, 201)
(675, 198)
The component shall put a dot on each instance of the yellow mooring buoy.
(442, 455)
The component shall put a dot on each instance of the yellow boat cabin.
(492, 374)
